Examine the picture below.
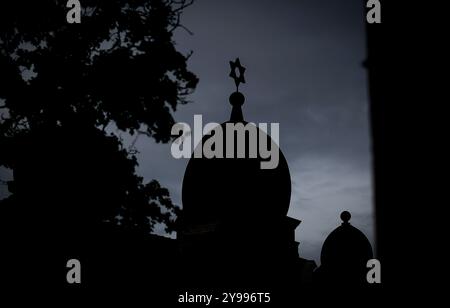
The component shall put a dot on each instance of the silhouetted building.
(234, 226)
(233, 232)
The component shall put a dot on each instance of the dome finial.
(345, 216)
(237, 98)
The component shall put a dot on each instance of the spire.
(237, 98)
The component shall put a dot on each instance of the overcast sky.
(304, 71)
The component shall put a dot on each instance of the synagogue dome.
(346, 245)
(236, 188)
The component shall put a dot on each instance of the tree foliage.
(62, 85)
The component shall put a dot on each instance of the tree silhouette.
(63, 87)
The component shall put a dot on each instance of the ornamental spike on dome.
(345, 216)
(237, 98)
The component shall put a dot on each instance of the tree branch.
(182, 4)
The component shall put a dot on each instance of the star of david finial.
(239, 75)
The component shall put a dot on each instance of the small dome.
(346, 244)
(344, 255)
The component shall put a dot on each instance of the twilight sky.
(304, 71)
